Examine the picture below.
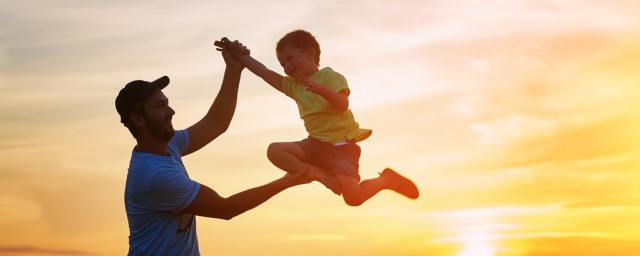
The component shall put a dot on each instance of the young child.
(330, 153)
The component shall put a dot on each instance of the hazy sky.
(518, 120)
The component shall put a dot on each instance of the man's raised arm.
(219, 116)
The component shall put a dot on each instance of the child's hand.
(237, 49)
(311, 85)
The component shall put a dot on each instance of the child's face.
(297, 63)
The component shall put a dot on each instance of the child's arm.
(339, 100)
(272, 78)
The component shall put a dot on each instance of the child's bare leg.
(288, 157)
(355, 193)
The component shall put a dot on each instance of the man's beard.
(158, 130)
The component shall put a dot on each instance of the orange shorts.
(335, 160)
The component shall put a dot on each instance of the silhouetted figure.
(160, 198)
(329, 154)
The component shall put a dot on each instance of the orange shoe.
(400, 183)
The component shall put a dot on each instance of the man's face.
(158, 115)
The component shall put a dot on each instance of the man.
(160, 198)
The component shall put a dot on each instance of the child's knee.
(273, 151)
(352, 200)
(351, 195)
(351, 191)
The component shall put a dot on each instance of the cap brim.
(161, 82)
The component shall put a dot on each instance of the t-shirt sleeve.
(288, 85)
(180, 141)
(336, 82)
(172, 191)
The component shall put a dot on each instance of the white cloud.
(509, 128)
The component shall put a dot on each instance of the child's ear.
(311, 53)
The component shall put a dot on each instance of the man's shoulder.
(179, 143)
(144, 168)
(150, 163)
(180, 136)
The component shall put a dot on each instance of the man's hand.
(298, 178)
(236, 48)
(225, 43)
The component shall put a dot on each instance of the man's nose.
(171, 111)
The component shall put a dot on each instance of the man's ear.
(138, 120)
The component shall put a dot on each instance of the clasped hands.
(235, 48)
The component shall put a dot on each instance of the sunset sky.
(518, 120)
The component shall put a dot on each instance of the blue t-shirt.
(157, 189)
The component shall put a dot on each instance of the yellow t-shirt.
(320, 119)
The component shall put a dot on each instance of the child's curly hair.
(300, 39)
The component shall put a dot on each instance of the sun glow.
(478, 249)
(479, 230)
(478, 242)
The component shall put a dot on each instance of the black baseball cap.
(134, 92)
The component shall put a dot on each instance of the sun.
(478, 249)
(478, 244)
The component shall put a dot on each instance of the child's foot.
(400, 183)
